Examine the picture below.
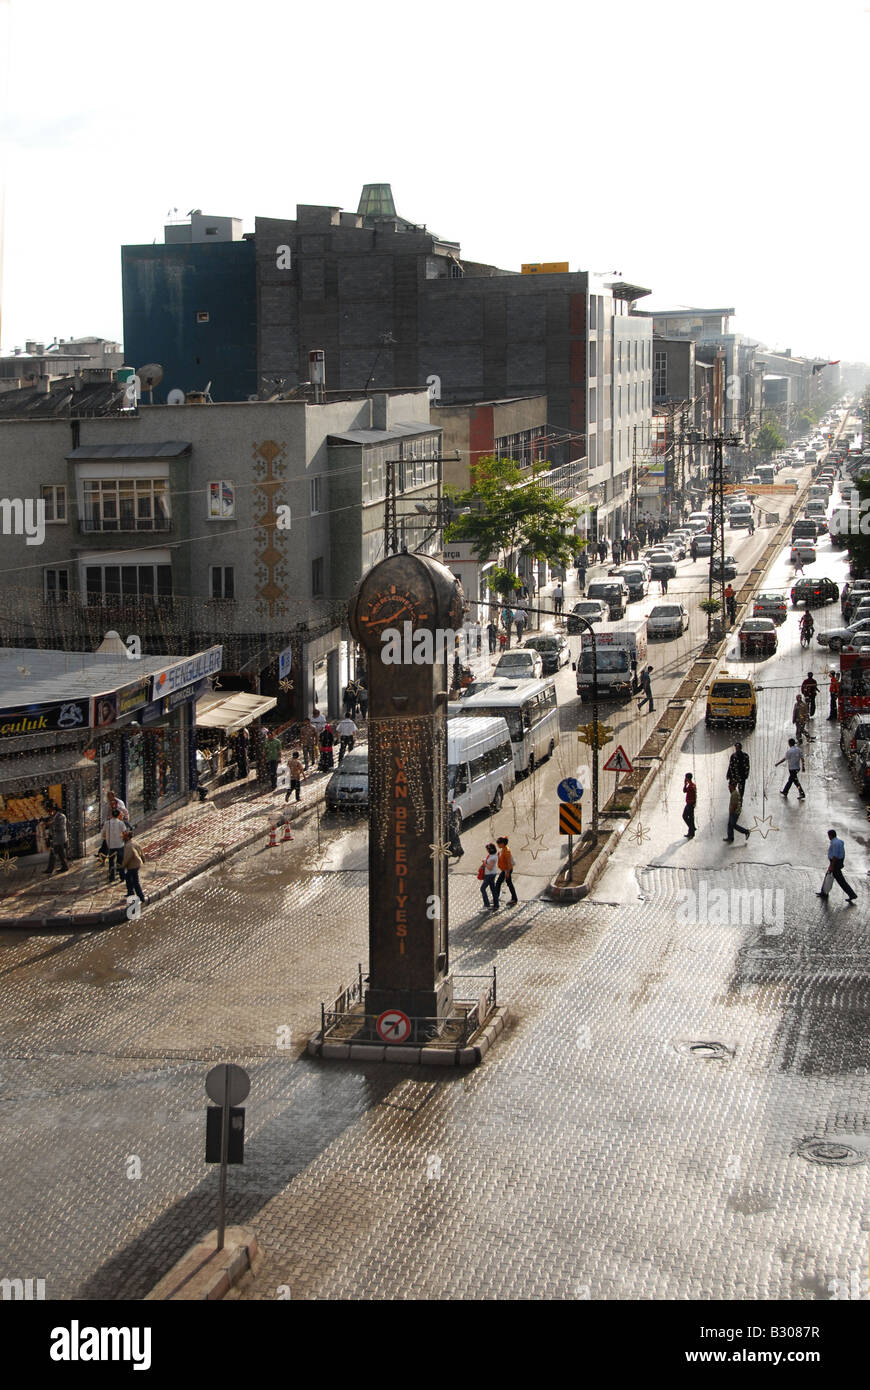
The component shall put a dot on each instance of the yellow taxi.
(730, 701)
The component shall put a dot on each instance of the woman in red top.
(691, 793)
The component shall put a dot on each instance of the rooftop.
(33, 676)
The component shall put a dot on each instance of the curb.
(205, 1273)
(468, 1056)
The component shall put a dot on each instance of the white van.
(532, 715)
(480, 764)
(617, 645)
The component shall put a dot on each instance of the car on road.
(726, 568)
(757, 636)
(815, 511)
(770, 606)
(731, 701)
(348, 787)
(704, 544)
(849, 597)
(662, 564)
(552, 648)
(594, 610)
(814, 592)
(835, 638)
(697, 525)
(677, 543)
(519, 665)
(613, 591)
(806, 529)
(668, 620)
(636, 577)
(803, 552)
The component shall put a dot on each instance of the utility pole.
(632, 529)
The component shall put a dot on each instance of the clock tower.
(404, 614)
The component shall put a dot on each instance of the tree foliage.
(769, 439)
(512, 513)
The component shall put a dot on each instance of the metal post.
(570, 858)
(225, 1146)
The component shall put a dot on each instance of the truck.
(620, 651)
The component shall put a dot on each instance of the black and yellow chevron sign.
(570, 818)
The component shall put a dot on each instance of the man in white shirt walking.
(794, 761)
(347, 732)
(836, 860)
(113, 836)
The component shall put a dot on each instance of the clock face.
(390, 607)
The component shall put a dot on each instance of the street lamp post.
(585, 623)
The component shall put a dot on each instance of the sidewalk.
(177, 848)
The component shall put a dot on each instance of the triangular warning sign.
(618, 761)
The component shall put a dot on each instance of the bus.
(532, 715)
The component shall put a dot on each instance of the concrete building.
(394, 305)
(37, 365)
(512, 429)
(190, 307)
(247, 524)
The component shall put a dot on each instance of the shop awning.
(231, 709)
(41, 770)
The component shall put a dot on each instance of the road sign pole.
(225, 1145)
(570, 858)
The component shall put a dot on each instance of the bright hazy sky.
(714, 153)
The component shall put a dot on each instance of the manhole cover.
(833, 1154)
(706, 1051)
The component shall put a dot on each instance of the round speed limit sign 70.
(394, 1026)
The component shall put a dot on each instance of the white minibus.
(531, 712)
(480, 764)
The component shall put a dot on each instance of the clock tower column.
(404, 613)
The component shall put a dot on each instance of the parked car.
(594, 610)
(677, 543)
(770, 606)
(704, 544)
(851, 596)
(835, 638)
(348, 787)
(731, 701)
(855, 743)
(553, 649)
(813, 592)
(519, 665)
(668, 620)
(726, 568)
(757, 636)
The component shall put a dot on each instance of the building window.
(593, 404)
(456, 271)
(593, 317)
(211, 231)
(619, 357)
(55, 503)
(202, 316)
(57, 585)
(317, 577)
(593, 359)
(223, 581)
(314, 491)
(114, 583)
(126, 504)
(221, 497)
(660, 376)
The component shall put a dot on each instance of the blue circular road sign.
(569, 790)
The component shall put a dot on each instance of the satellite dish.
(175, 397)
(150, 375)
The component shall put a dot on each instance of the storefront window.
(20, 815)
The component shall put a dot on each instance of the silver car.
(668, 620)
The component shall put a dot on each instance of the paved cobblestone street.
(592, 1155)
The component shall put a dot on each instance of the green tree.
(511, 513)
(769, 439)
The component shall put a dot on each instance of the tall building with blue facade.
(191, 306)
